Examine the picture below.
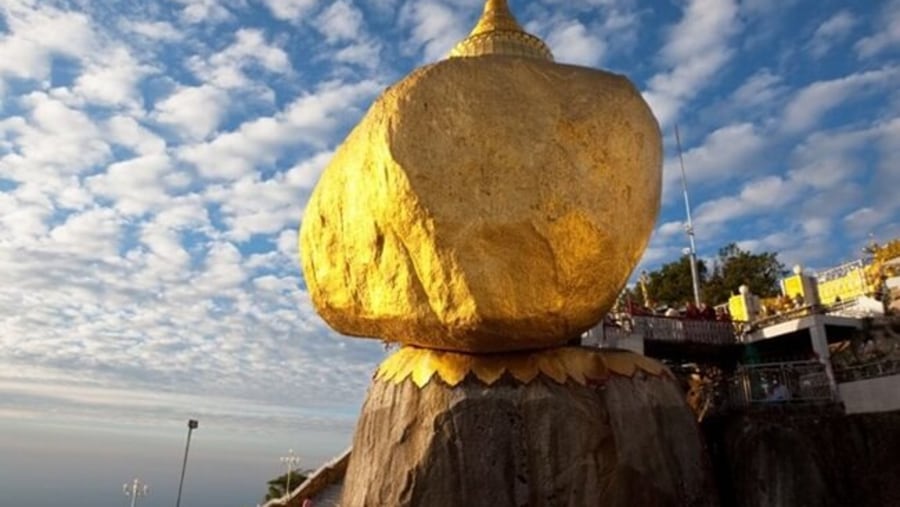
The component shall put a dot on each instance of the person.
(691, 311)
(780, 392)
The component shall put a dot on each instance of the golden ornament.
(560, 364)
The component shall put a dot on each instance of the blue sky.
(156, 158)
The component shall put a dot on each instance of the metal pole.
(192, 425)
(695, 278)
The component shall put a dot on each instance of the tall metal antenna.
(689, 227)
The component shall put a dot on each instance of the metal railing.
(671, 329)
(797, 382)
(788, 315)
(874, 369)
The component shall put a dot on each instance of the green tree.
(672, 285)
(278, 486)
(735, 267)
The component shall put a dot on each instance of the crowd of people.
(688, 311)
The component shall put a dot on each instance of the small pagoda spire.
(498, 33)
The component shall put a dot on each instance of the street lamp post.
(135, 489)
(192, 425)
(290, 462)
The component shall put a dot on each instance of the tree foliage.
(735, 267)
(671, 284)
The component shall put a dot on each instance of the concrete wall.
(880, 394)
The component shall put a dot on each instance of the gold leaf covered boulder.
(494, 201)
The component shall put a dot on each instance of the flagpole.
(689, 228)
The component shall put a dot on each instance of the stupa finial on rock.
(486, 210)
(498, 33)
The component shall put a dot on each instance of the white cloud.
(811, 103)
(92, 233)
(126, 131)
(340, 21)
(887, 34)
(35, 35)
(135, 185)
(572, 42)
(194, 111)
(154, 30)
(866, 219)
(203, 11)
(55, 140)
(366, 54)
(670, 228)
(696, 48)
(436, 28)
(113, 81)
(761, 89)
(227, 69)
(309, 120)
(290, 9)
(725, 153)
(832, 31)
(757, 196)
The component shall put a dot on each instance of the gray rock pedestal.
(620, 441)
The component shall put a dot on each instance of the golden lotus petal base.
(578, 364)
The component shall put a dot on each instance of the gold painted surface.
(561, 364)
(484, 205)
(498, 33)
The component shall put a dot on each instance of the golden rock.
(485, 204)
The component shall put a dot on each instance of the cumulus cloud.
(36, 34)
(228, 68)
(436, 28)
(154, 30)
(832, 31)
(340, 21)
(194, 111)
(572, 42)
(203, 11)
(309, 120)
(289, 9)
(724, 154)
(695, 49)
(815, 100)
(887, 34)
